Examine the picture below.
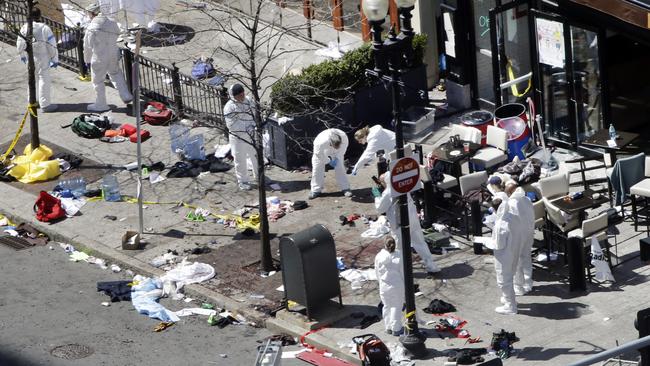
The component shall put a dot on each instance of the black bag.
(371, 350)
(502, 343)
(437, 171)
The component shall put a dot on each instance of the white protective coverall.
(508, 236)
(241, 127)
(141, 12)
(523, 208)
(386, 204)
(323, 153)
(100, 49)
(45, 51)
(378, 138)
(390, 274)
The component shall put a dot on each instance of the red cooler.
(518, 135)
(480, 120)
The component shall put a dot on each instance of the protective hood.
(98, 23)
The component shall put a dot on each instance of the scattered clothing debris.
(378, 228)
(195, 311)
(145, 293)
(186, 273)
(116, 290)
(439, 307)
(192, 168)
(502, 343)
(468, 356)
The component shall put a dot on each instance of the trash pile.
(26, 232)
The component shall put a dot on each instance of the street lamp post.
(390, 57)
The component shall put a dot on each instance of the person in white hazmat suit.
(329, 147)
(390, 274)
(509, 237)
(141, 12)
(377, 138)
(523, 208)
(46, 56)
(100, 48)
(390, 206)
(241, 131)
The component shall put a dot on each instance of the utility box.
(309, 271)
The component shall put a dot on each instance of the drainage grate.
(72, 351)
(15, 242)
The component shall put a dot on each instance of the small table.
(581, 204)
(455, 155)
(599, 139)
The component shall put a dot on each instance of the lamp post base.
(414, 343)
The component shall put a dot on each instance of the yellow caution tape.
(513, 87)
(30, 110)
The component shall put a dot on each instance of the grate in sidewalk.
(14, 242)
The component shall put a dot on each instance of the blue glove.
(354, 171)
(87, 67)
(54, 64)
(375, 192)
(23, 60)
(333, 162)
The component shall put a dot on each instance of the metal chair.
(497, 151)
(594, 227)
(551, 188)
(467, 133)
(641, 189)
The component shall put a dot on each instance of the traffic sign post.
(404, 176)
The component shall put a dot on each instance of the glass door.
(567, 78)
(585, 66)
(553, 89)
(511, 52)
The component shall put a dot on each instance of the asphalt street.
(48, 301)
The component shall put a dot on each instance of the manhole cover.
(72, 351)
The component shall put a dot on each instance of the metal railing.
(188, 97)
(624, 348)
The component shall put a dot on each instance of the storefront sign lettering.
(484, 24)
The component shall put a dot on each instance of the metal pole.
(136, 111)
(31, 70)
(412, 339)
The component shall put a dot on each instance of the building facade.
(584, 63)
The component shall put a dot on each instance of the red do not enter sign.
(404, 175)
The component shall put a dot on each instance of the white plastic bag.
(603, 272)
(186, 273)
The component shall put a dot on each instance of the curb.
(255, 317)
(315, 339)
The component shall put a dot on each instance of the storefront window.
(584, 45)
(514, 52)
(485, 81)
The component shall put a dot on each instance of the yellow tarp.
(34, 166)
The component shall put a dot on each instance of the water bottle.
(111, 189)
(194, 149)
(612, 132)
(75, 185)
(179, 135)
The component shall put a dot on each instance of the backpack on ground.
(203, 69)
(48, 208)
(90, 125)
(157, 114)
(371, 350)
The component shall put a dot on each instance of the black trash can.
(309, 272)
